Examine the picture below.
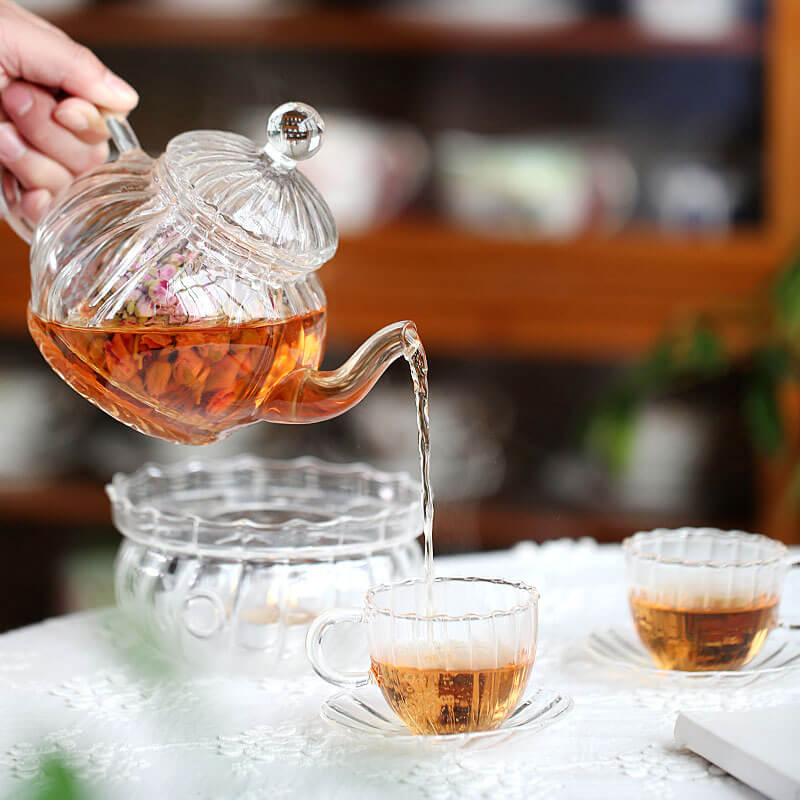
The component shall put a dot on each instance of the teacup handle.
(11, 193)
(782, 623)
(315, 640)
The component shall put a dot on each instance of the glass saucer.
(621, 648)
(366, 712)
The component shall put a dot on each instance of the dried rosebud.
(241, 357)
(190, 339)
(155, 341)
(145, 308)
(223, 375)
(199, 387)
(188, 366)
(119, 361)
(215, 352)
(157, 377)
(96, 349)
(220, 402)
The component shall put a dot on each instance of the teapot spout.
(313, 396)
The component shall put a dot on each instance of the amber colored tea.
(703, 639)
(186, 384)
(439, 701)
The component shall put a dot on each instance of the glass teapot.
(180, 294)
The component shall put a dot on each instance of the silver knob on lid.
(294, 133)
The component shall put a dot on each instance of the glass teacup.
(455, 661)
(704, 599)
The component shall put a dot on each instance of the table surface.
(75, 687)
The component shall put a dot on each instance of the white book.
(761, 748)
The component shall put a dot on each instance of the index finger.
(82, 119)
(50, 58)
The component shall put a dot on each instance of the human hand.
(50, 91)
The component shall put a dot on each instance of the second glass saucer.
(366, 712)
(620, 648)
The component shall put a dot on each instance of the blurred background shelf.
(64, 504)
(56, 503)
(589, 297)
(129, 25)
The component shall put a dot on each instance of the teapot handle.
(121, 133)
(10, 209)
(11, 194)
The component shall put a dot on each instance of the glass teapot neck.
(310, 396)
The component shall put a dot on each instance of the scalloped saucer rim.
(633, 657)
(552, 705)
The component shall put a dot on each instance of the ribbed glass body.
(226, 563)
(704, 599)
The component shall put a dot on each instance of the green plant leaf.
(773, 362)
(793, 490)
(762, 415)
(58, 782)
(786, 295)
(695, 353)
(608, 436)
(771, 366)
(705, 354)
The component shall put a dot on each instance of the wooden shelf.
(62, 503)
(129, 25)
(485, 526)
(591, 297)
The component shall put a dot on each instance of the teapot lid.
(254, 196)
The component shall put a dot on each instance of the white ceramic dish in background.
(228, 7)
(367, 171)
(700, 19)
(669, 449)
(620, 648)
(52, 6)
(691, 196)
(365, 712)
(500, 13)
(524, 186)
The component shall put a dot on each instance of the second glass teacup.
(456, 660)
(704, 599)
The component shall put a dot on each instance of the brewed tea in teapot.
(185, 384)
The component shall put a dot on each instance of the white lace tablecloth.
(70, 687)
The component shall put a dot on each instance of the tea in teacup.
(450, 657)
(704, 599)
(436, 692)
(714, 637)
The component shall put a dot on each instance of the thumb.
(41, 54)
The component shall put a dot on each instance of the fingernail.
(72, 119)
(11, 146)
(123, 89)
(18, 100)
